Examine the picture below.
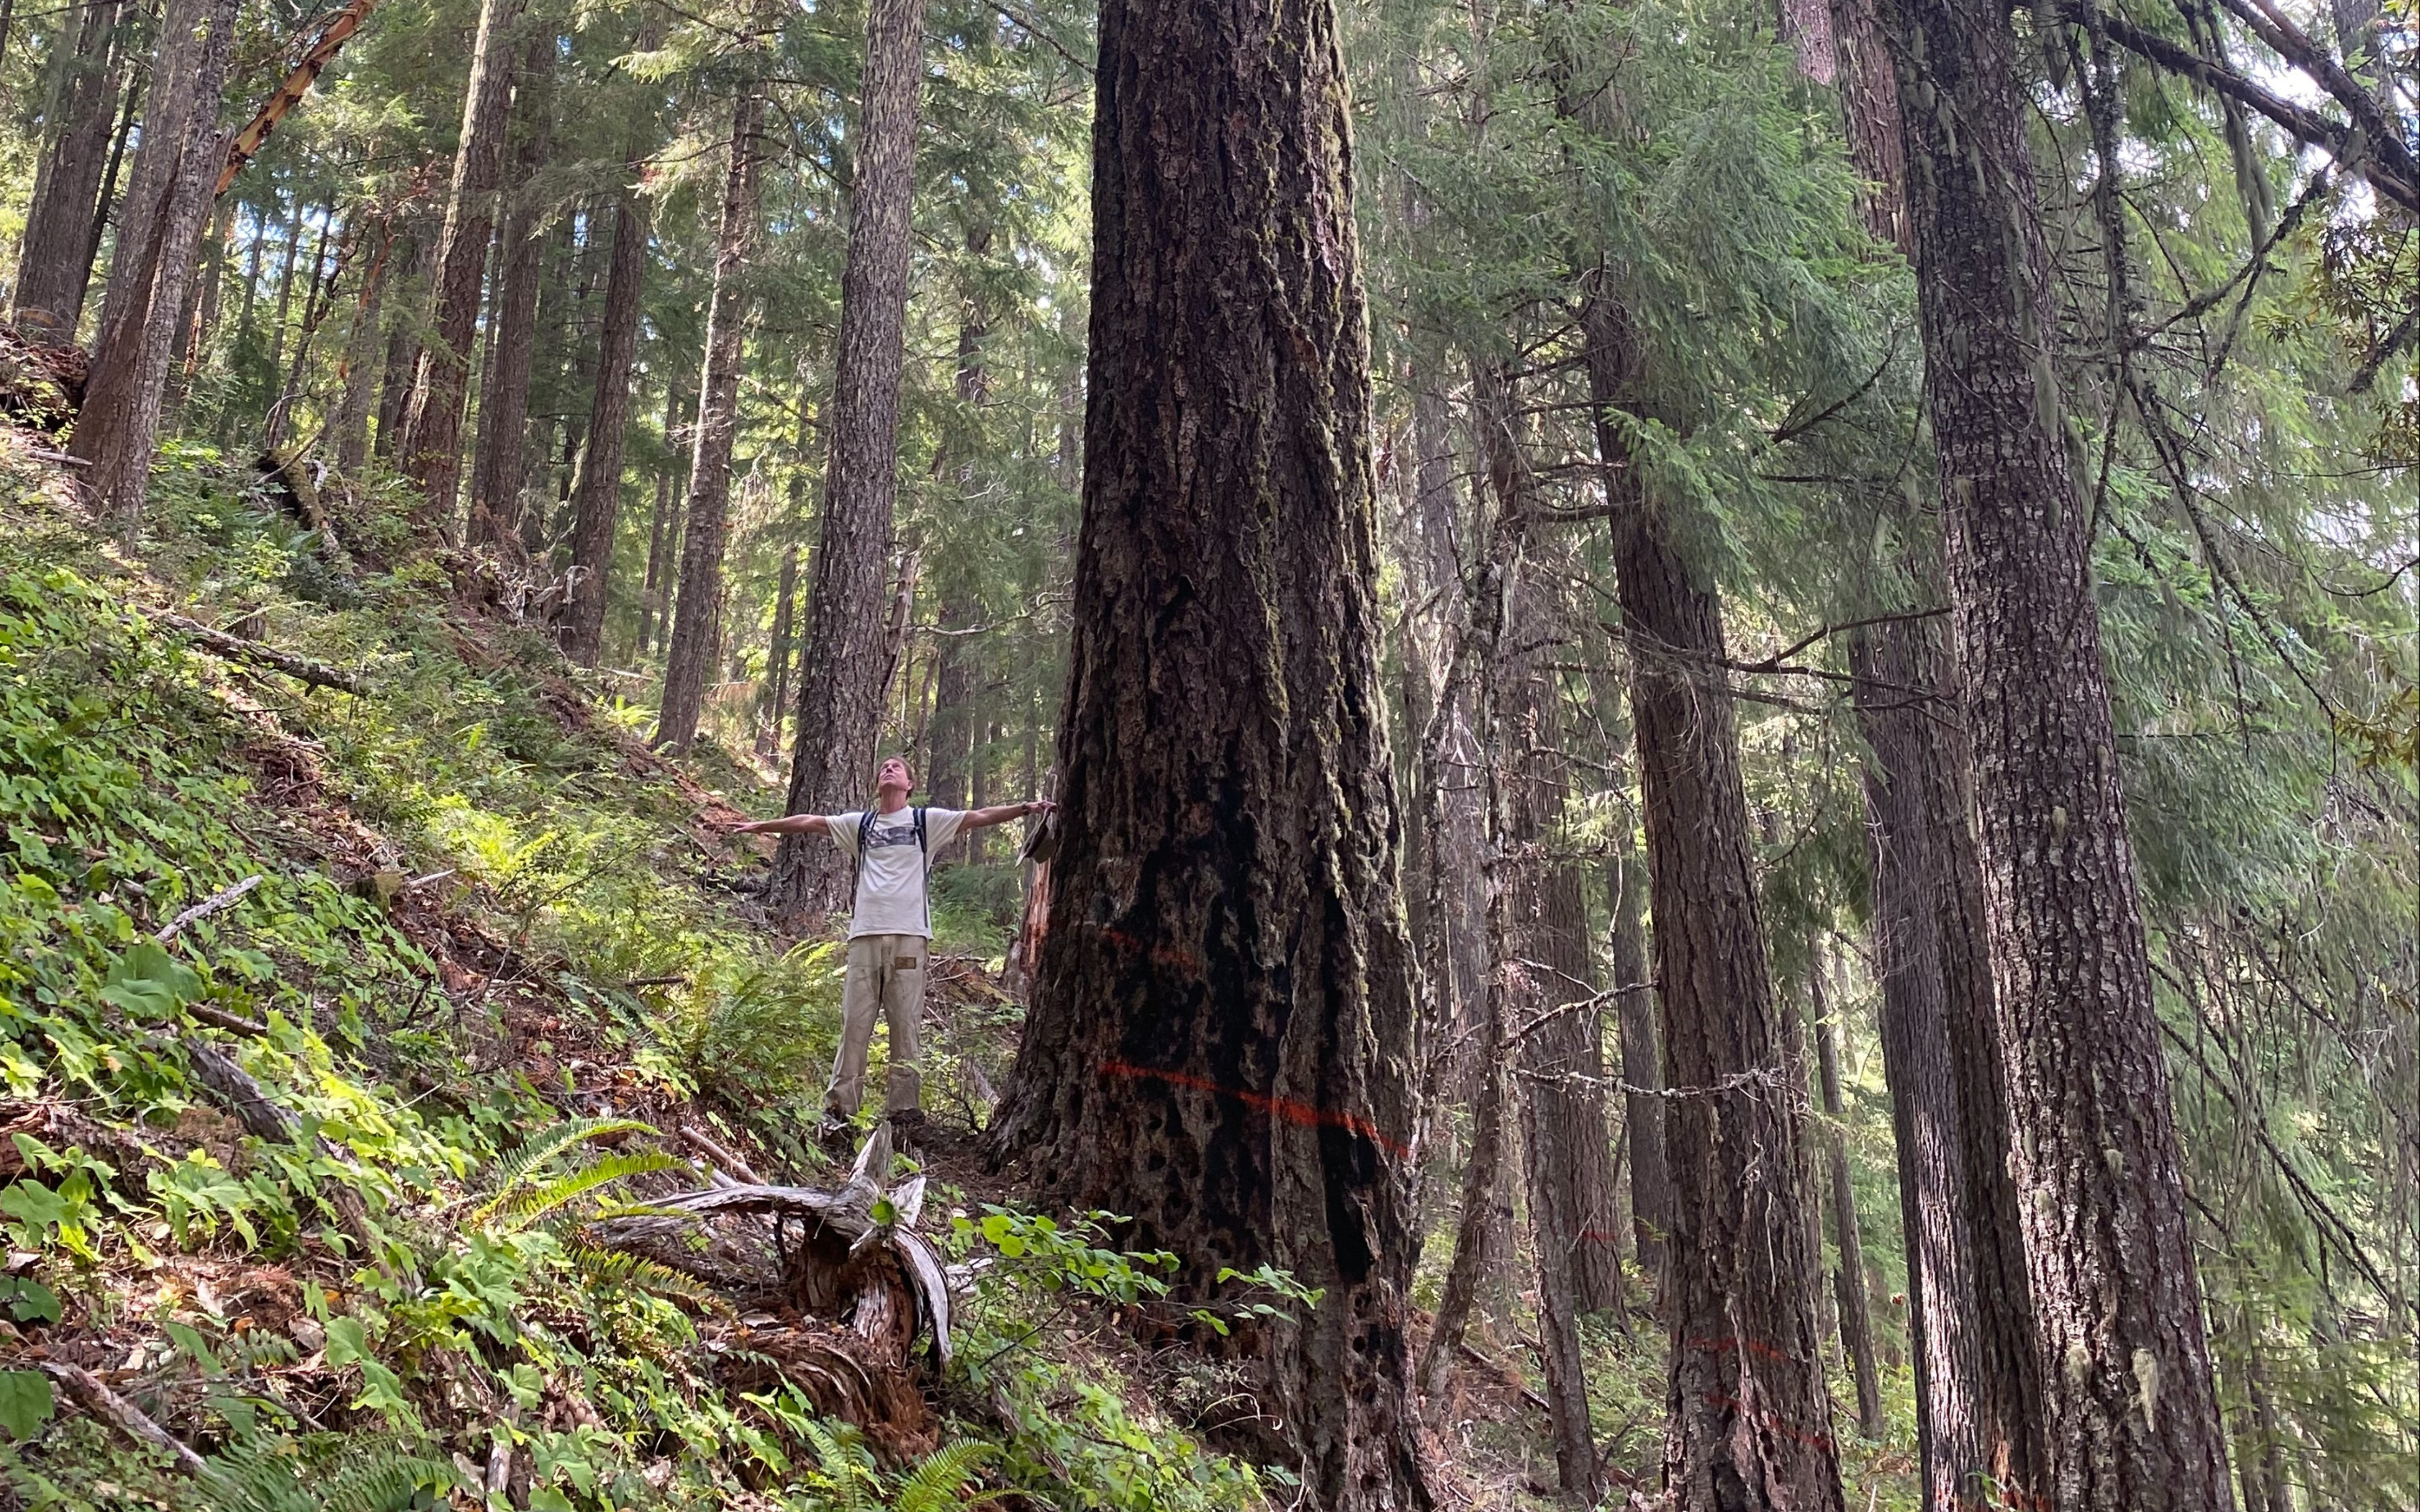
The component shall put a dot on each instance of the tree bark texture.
(430, 452)
(498, 466)
(597, 499)
(1481, 638)
(402, 356)
(777, 657)
(1750, 1423)
(1220, 1040)
(1849, 1280)
(351, 425)
(689, 653)
(168, 201)
(842, 676)
(1642, 1059)
(1977, 1400)
(2130, 1409)
(54, 255)
(1979, 1396)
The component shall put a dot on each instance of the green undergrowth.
(487, 1092)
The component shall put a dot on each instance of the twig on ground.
(698, 1140)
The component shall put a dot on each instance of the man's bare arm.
(796, 824)
(1000, 813)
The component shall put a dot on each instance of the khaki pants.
(885, 971)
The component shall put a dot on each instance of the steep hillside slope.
(358, 978)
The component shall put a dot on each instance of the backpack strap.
(924, 854)
(864, 837)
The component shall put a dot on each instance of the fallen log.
(84, 1389)
(252, 653)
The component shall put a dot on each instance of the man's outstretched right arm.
(796, 824)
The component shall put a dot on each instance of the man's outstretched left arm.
(1000, 813)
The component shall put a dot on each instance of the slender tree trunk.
(1642, 1059)
(168, 201)
(1849, 1280)
(2128, 1402)
(842, 680)
(54, 255)
(497, 467)
(1217, 1043)
(1546, 955)
(597, 499)
(402, 344)
(193, 333)
(1750, 1423)
(351, 425)
(317, 296)
(776, 659)
(135, 89)
(1479, 658)
(288, 257)
(430, 452)
(688, 653)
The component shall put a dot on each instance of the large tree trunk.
(1849, 1280)
(168, 201)
(2129, 1409)
(1978, 1397)
(1750, 1424)
(430, 452)
(688, 653)
(843, 674)
(54, 255)
(1219, 1046)
(497, 467)
(597, 497)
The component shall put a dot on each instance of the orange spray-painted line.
(1287, 1108)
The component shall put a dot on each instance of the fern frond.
(521, 1209)
(544, 1146)
(603, 1268)
(322, 1472)
(939, 1483)
(848, 1467)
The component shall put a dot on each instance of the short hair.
(901, 757)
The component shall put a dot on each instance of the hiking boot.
(908, 1132)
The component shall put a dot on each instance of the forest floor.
(510, 981)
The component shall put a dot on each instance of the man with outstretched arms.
(889, 930)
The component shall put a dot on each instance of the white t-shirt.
(891, 882)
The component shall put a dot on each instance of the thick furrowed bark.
(1220, 1040)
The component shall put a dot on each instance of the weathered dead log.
(84, 1389)
(217, 903)
(252, 653)
(839, 1262)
